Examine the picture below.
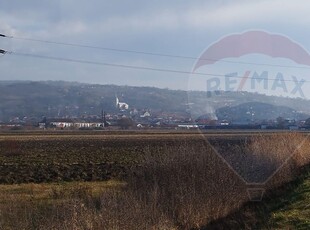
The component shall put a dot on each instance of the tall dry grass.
(190, 185)
(177, 187)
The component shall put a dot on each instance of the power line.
(109, 64)
(135, 67)
(149, 53)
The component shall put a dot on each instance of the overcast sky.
(184, 28)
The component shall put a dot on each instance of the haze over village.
(114, 107)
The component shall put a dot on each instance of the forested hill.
(49, 98)
(57, 98)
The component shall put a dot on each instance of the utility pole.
(103, 119)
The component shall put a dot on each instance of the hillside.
(257, 111)
(36, 99)
(60, 99)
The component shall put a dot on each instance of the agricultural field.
(145, 180)
(85, 156)
(78, 157)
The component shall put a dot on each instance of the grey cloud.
(176, 27)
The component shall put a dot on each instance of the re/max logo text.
(257, 81)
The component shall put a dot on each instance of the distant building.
(96, 123)
(188, 126)
(145, 114)
(73, 123)
(121, 105)
(42, 125)
(293, 127)
(224, 123)
(61, 123)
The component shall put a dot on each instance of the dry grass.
(178, 187)
(190, 185)
(279, 157)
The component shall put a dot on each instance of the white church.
(121, 105)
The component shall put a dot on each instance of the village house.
(61, 123)
(72, 123)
